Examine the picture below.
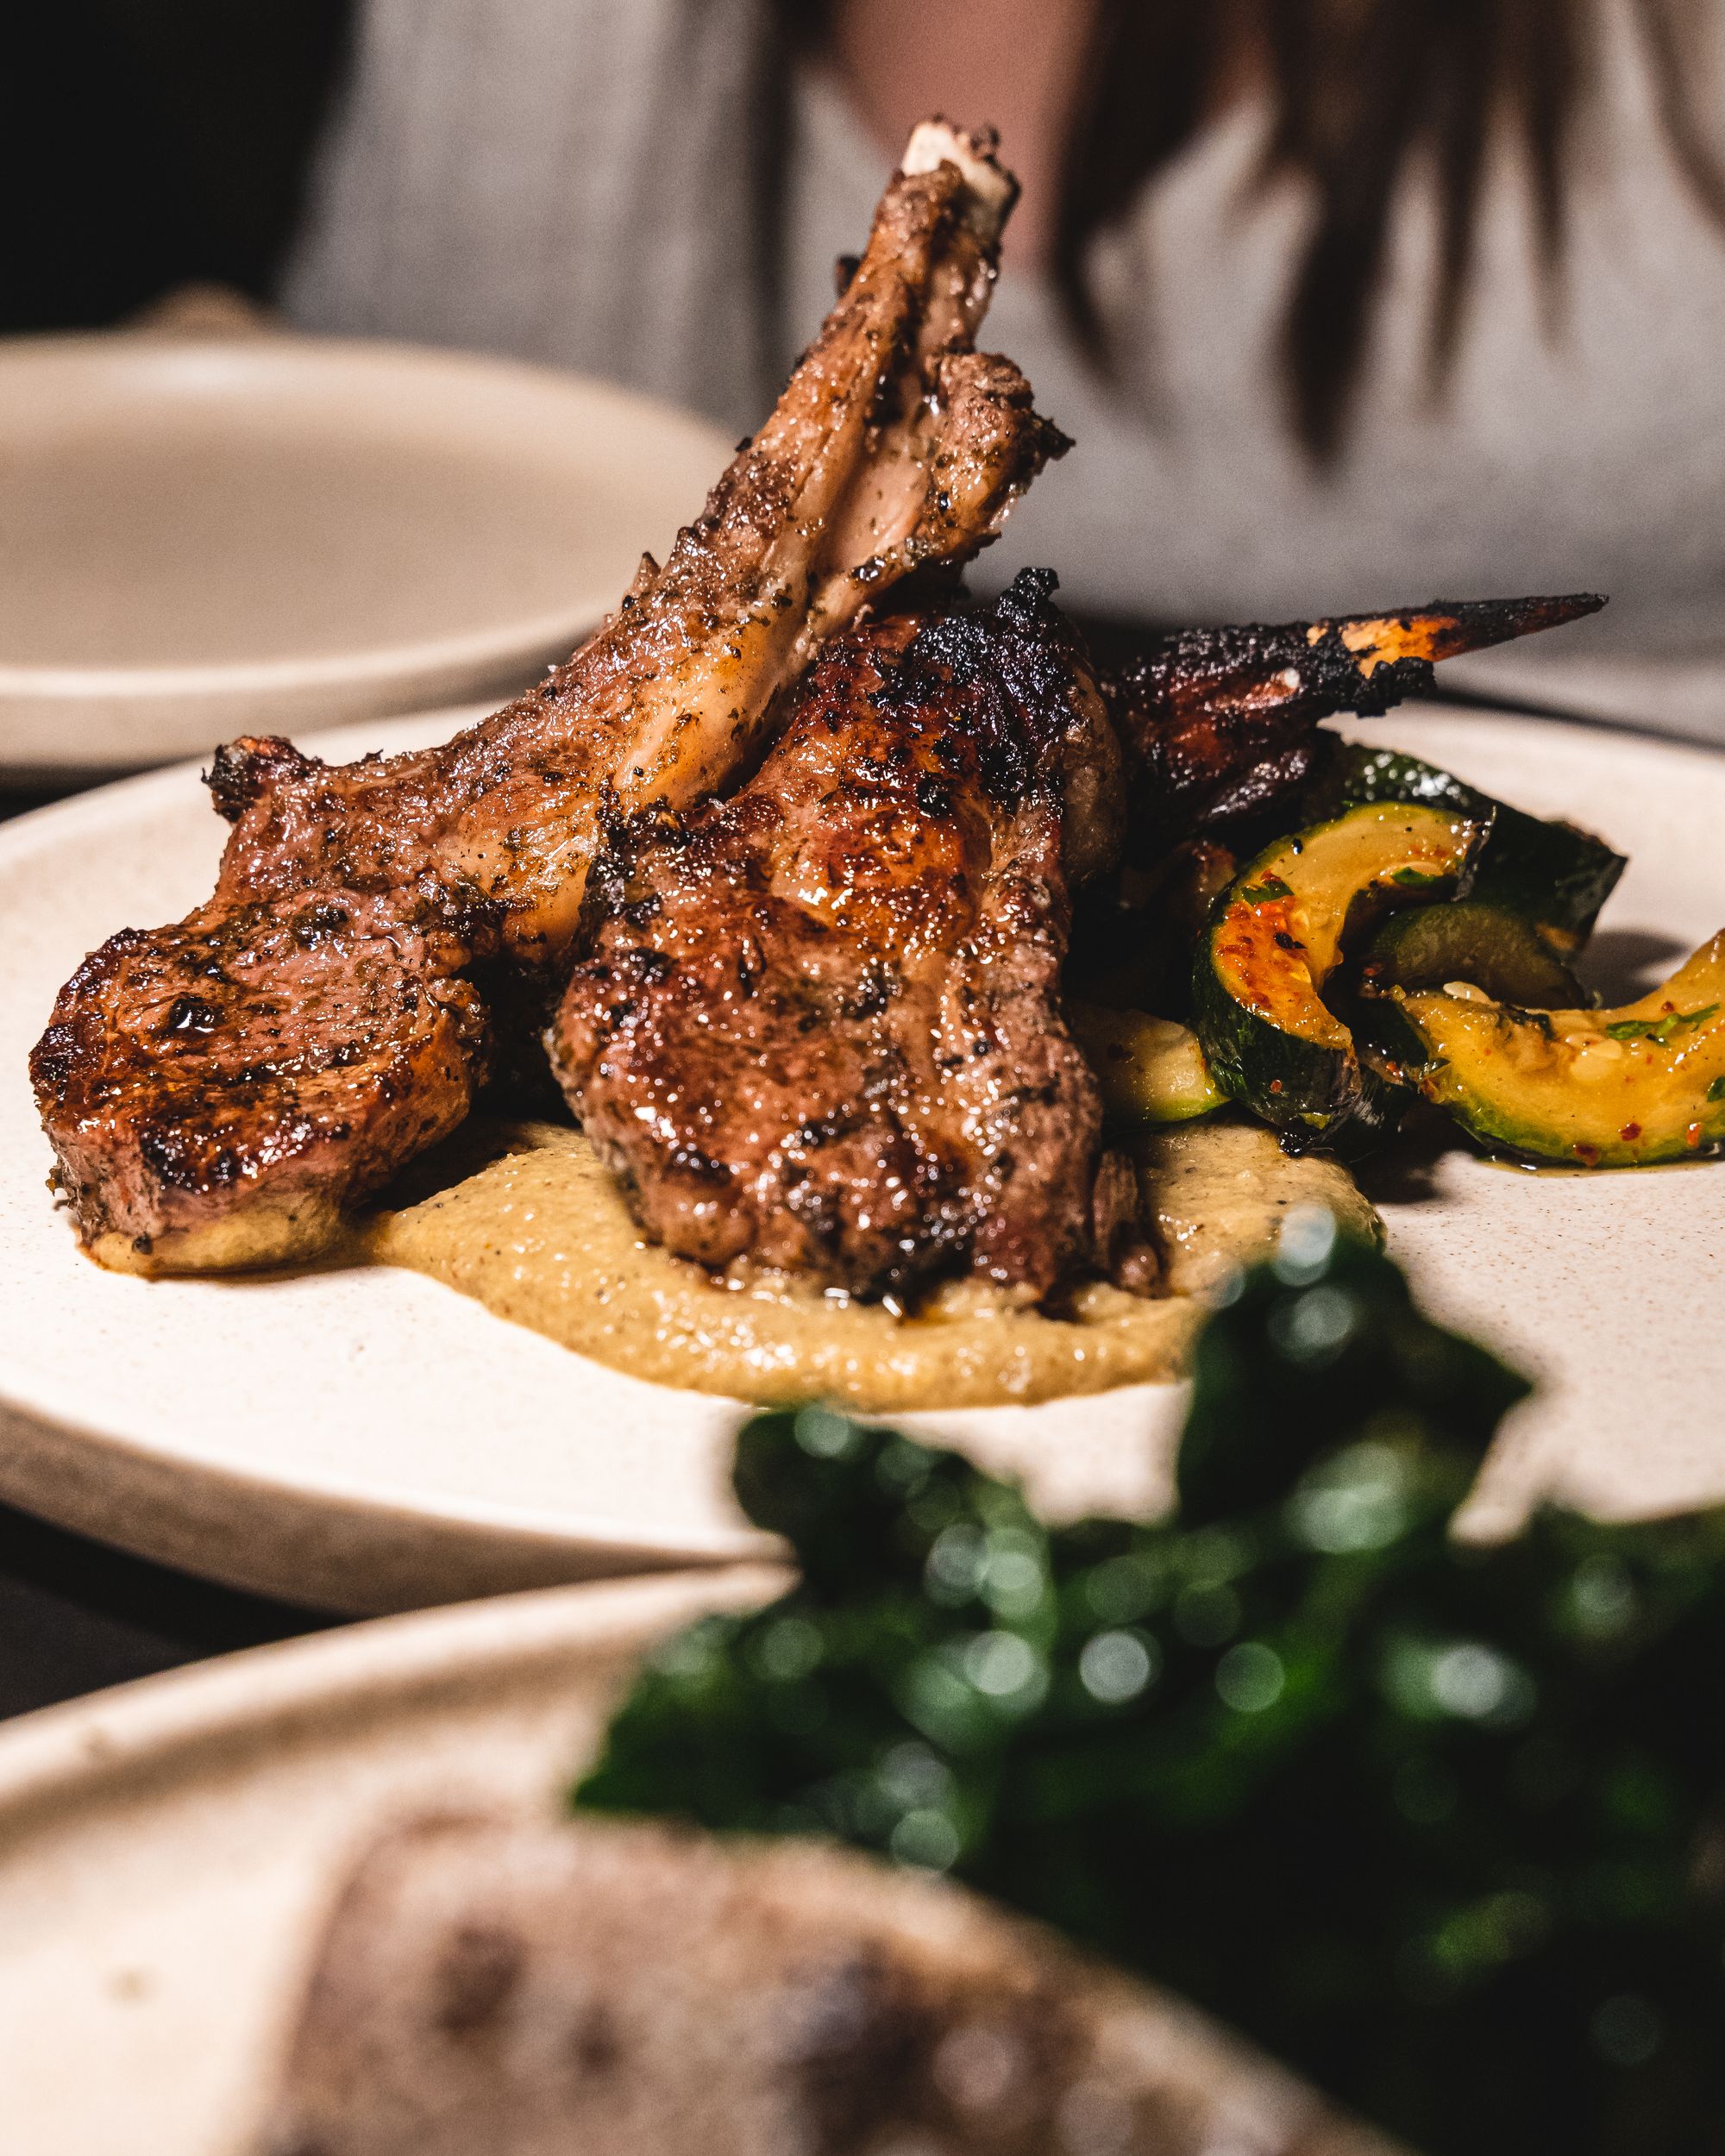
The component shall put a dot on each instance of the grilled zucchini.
(1275, 938)
(1554, 875)
(1618, 1088)
(1151, 1069)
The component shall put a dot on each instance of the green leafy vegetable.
(1436, 1823)
(1267, 892)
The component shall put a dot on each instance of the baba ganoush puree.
(540, 1235)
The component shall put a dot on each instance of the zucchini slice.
(1590, 1088)
(1554, 874)
(1151, 1069)
(1471, 939)
(1274, 937)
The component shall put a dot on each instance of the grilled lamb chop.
(219, 1092)
(1219, 722)
(820, 1024)
(492, 1988)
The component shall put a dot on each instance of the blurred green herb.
(1660, 1030)
(1433, 1822)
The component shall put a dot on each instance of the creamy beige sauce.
(539, 1234)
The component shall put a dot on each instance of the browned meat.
(218, 1092)
(487, 1989)
(1218, 722)
(820, 1026)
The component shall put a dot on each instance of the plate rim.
(53, 1752)
(415, 667)
(505, 1698)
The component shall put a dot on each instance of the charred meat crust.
(277, 1044)
(242, 771)
(820, 1024)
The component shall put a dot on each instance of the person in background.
(1346, 303)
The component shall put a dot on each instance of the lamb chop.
(1219, 723)
(820, 1026)
(219, 1092)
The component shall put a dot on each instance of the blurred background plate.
(200, 536)
(167, 1851)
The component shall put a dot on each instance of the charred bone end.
(990, 189)
(242, 771)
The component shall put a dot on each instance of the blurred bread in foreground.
(490, 1989)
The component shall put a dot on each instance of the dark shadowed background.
(147, 143)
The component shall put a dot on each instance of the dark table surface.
(76, 1615)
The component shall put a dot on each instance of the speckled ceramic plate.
(167, 1851)
(372, 1440)
(204, 536)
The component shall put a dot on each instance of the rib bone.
(220, 1091)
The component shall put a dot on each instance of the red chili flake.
(1692, 1135)
(1630, 1132)
(1275, 1085)
(1587, 1155)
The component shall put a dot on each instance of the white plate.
(372, 1440)
(167, 1851)
(201, 538)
